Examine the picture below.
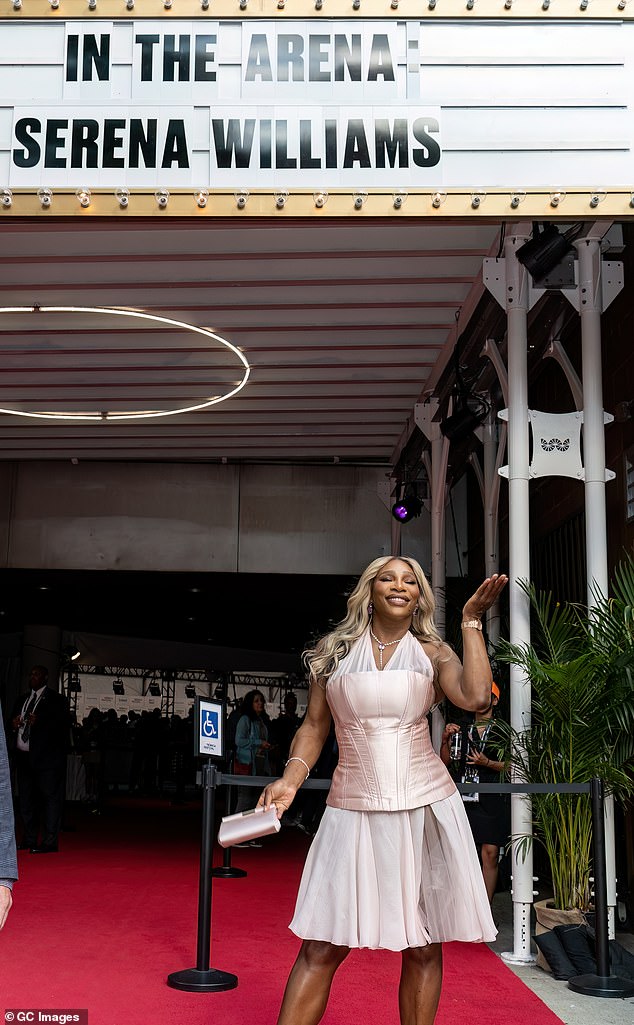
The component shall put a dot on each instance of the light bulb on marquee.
(84, 197)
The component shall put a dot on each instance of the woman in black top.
(488, 814)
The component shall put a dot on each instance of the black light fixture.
(407, 507)
(544, 251)
(468, 409)
(74, 685)
(71, 652)
(190, 691)
(154, 689)
(118, 687)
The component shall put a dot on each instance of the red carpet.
(101, 924)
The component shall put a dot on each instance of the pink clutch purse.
(247, 825)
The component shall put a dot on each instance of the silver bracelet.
(295, 758)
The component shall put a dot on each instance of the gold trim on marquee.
(537, 10)
(495, 204)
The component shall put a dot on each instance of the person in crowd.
(252, 746)
(8, 857)
(283, 729)
(477, 761)
(393, 864)
(40, 723)
(91, 746)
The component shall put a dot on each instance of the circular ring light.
(140, 414)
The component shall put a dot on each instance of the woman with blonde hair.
(393, 864)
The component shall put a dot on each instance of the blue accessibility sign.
(210, 728)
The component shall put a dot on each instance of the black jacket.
(50, 732)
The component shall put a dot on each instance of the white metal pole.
(517, 304)
(439, 453)
(491, 532)
(439, 460)
(593, 424)
(590, 308)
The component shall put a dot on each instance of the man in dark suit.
(41, 724)
(8, 860)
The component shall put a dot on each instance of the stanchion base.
(510, 957)
(197, 980)
(228, 872)
(602, 985)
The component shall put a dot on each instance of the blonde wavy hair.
(322, 660)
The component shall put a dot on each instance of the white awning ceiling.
(344, 323)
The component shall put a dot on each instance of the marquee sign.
(315, 104)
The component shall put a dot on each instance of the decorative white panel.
(556, 444)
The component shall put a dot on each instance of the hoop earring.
(370, 609)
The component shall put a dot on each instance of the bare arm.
(307, 745)
(468, 684)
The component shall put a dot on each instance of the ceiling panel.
(342, 323)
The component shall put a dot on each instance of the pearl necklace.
(381, 645)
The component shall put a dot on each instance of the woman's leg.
(308, 986)
(421, 979)
(489, 856)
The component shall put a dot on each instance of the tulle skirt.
(394, 879)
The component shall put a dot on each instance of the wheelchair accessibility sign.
(210, 728)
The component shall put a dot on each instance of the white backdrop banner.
(350, 104)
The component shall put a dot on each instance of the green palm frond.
(580, 664)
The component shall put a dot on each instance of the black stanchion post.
(227, 870)
(602, 984)
(202, 978)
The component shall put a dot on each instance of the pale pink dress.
(393, 864)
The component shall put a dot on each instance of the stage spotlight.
(118, 687)
(154, 689)
(406, 508)
(469, 411)
(190, 690)
(541, 254)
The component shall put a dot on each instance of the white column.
(438, 546)
(590, 308)
(491, 493)
(517, 305)
(593, 424)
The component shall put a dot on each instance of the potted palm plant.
(581, 667)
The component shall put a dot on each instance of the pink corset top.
(386, 759)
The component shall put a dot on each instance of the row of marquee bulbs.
(320, 198)
(201, 196)
(356, 4)
(281, 4)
